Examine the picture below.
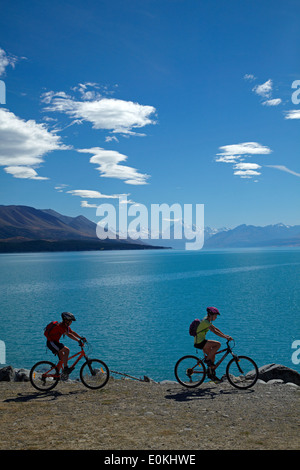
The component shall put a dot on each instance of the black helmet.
(68, 316)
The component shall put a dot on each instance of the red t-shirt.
(59, 330)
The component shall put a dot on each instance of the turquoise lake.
(135, 307)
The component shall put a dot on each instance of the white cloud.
(111, 114)
(24, 144)
(23, 172)
(245, 148)
(89, 194)
(246, 173)
(6, 60)
(87, 204)
(247, 166)
(265, 89)
(284, 168)
(293, 114)
(227, 158)
(249, 76)
(108, 162)
(273, 102)
(233, 153)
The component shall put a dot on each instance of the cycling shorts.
(201, 345)
(55, 346)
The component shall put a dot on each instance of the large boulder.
(277, 371)
(6, 374)
(9, 374)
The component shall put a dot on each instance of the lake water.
(135, 307)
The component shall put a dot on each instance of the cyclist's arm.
(73, 335)
(218, 332)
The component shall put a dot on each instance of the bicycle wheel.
(44, 376)
(190, 371)
(242, 372)
(94, 374)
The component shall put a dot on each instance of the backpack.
(49, 327)
(193, 327)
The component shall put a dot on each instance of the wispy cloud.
(293, 114)
(272, 102)
(284, 168)
(24, 144)
(108, 162)
(246, 148)
(249, 77)
(234, 153)
(90, 194)
(265, 89)
(115, 115)
(24, 172)
(6, 60)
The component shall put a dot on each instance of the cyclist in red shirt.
(54, 336)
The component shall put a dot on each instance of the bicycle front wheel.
(242, 372)
(190, 371)
(44, 376)
(94, 374)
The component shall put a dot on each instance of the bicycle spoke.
(94, 374)
(44, 376)
(190, 371)
(242, 372)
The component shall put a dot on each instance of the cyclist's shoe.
(66, 372)
(209, 362)
(210, 373)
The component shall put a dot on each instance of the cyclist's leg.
(63, 355)
(60, 350)
(210, 349)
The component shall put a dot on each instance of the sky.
(164, 101)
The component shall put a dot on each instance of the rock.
(278, 371)
(275, 381)
(21, 375)
(6, 374)
(9, 374)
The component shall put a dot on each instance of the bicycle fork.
(237, 360)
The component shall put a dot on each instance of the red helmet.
(212, 311)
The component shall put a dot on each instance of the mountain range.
(24, 228)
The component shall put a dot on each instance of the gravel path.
(127, 415)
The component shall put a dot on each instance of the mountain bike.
(241, 371)
(94, 374)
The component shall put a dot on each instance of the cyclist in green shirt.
(209, 347)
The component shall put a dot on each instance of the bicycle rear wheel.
(242, 372)
(94, 374)
(190, 371)
(44, 376)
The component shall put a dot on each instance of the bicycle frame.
(227, 351)
(59, 365)
(81, 354)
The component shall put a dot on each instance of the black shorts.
(55, 346)
(201, 345)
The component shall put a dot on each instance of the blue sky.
(167, 101)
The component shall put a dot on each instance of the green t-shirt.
(201, 331)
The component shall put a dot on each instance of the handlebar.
(82, 341)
